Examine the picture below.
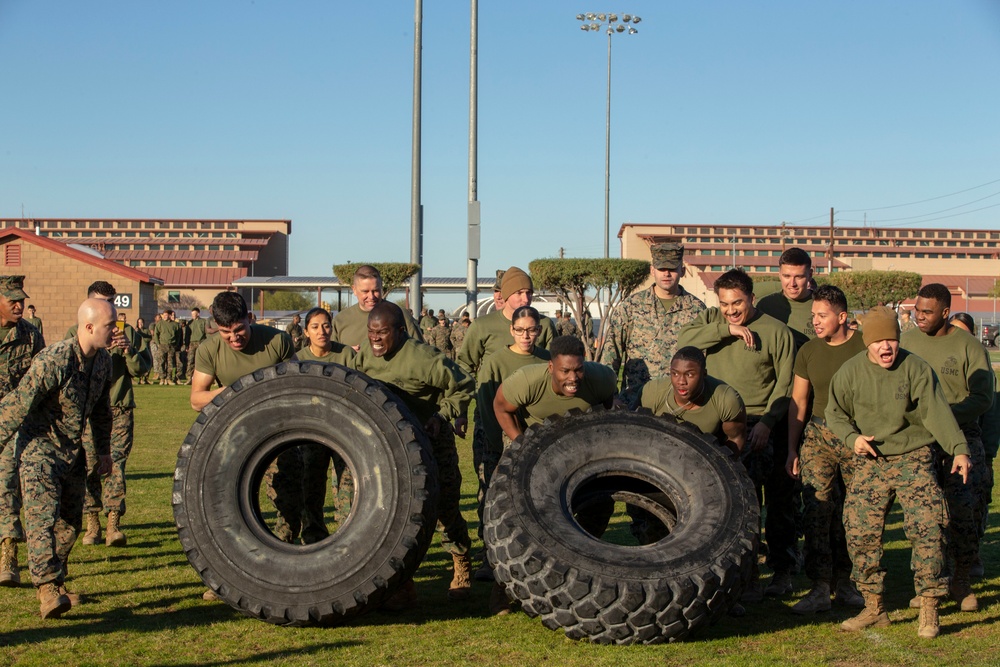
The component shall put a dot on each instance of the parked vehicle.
(989, 334)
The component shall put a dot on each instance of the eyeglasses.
(531, 331)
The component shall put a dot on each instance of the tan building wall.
(56, 285)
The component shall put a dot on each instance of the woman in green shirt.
(321, 346)
(316, 458)
(525, 327)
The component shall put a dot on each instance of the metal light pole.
(471, 277)
(416, 208)
(611, 24)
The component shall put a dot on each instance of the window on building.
(197, 263)
(212, 263)
(236, 225)
(180, 263)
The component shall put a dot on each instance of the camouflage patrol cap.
(12, 287)
(667, 256)
(499, 282)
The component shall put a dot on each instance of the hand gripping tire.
(606, 592)
(222, 462)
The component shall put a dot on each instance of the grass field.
(144, 605)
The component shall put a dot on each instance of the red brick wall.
(57, 284)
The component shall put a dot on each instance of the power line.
(924, 215)
(922, 201)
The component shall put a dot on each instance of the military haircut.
(795, 257)
(388, 313)
(526, 311)
(734, 279)
(365, 272)
(691, 353)
(936, 291)
(832, 295)
(315, 312)
(566, 346)
(102, 288)
(228, 308)
(196, 310)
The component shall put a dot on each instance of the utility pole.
(416, 207)
(829, 254)
(562, 253)
(472, 273)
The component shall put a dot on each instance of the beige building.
(57, 276)
(966, 260)
(195, 258)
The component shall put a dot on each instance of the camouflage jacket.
(126, 365)
(458, 335)
(642, 336)
(440, 337)
(57, 397)
(16, 351)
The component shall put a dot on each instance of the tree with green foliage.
(393, 274)
(866, 289)
(287, 300)
(995, 290)
(580, 281)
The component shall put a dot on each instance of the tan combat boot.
(10, 574)
(115, 537)
(52, 603)
(93, 534)
(461, 583)
(816, 601)
(74, 598)
(873, 615)
(929, 626)
(960, 591)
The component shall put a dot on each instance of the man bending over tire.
(239, 349)
(436, 390)
(540, 391)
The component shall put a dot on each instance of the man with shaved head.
(437, 391)
(67, 386)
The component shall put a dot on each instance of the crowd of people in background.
(833, 418)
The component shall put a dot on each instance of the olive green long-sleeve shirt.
(961, 367)
(903, 407)
(426, 380)
(763, 375)
(491, 333)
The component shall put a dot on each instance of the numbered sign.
(123, 301)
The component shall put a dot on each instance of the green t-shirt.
(965, 375)
(350, 327)
(338, 354)
(817, 361)
(268, 346)
(37, 323)
(763, 375)
(796, 315)
(495, 369)
(718, 403)
(197, 329)
(903, 407)
(491, 333)
(530, 388)
(425, 379)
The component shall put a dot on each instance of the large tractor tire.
(216, 495)
(615, 593)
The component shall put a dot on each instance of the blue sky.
(722, 112)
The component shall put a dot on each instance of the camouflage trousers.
(109, 494)
(315, 466)
(192, 352)
(876, 485)
(963, 500)
(10, 491)
(451, 524)
(827, 467)
(283, 479)
(776, 493)
(53, 480)
(165, 361)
